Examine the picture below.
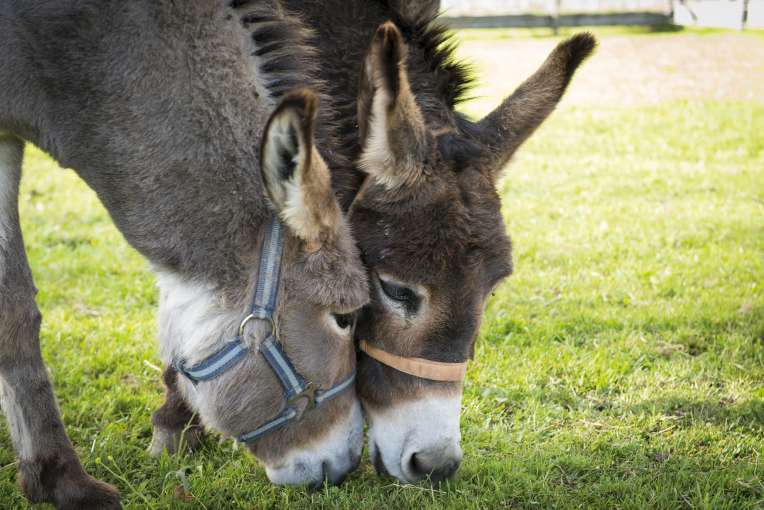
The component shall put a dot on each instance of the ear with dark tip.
(392, 128)
(287, 143)
(508, 126)
(296, 178)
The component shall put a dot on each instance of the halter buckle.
(308, 394)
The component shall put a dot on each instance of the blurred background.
(553, 13)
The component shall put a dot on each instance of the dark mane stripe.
(287, 59)
(454, 78)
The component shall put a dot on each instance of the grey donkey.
(161, 107)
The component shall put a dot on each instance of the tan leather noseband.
(424, 368)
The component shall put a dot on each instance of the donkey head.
(428, 222)
(322, 283)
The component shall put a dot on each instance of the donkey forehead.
(461, 233)
(333, 277)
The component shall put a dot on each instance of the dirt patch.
(629, 71)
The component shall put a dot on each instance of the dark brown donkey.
(161, 108)
(425, 210)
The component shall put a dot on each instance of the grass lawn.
(621, 366)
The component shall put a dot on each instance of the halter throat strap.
(418, 367)
(296, 389)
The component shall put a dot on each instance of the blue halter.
(296, 388)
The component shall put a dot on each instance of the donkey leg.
(175, 425)
(49, 469)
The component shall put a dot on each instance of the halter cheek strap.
(418, 367)
(296, 388)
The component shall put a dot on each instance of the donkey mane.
(287, 59)
(283, 51)
(454, 78)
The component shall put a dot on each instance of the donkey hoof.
(88, 494)
(66, 485)
(174, 441)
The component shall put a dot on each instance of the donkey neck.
(164, 126)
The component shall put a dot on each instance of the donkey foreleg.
(175, 426)
(48, 469)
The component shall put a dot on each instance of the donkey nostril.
(445, 472)
(422, 466)
(417, 467)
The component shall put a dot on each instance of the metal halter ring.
(249, 318)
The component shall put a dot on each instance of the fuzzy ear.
(392, 129)
(509, 125)
(295, 175)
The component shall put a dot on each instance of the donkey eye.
(401, 294)
(343, 320)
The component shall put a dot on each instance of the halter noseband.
(296, 388)
(418, 367)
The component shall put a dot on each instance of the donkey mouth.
(377, 462)
(330, 476)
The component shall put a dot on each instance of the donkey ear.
(296, 177)
(392, 129)
(507, 127)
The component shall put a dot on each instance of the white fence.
(708, 13)
(719, 13)
(456, 8)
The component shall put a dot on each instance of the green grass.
(622, 365)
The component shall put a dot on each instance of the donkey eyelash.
(396, 292)
(400, 294)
